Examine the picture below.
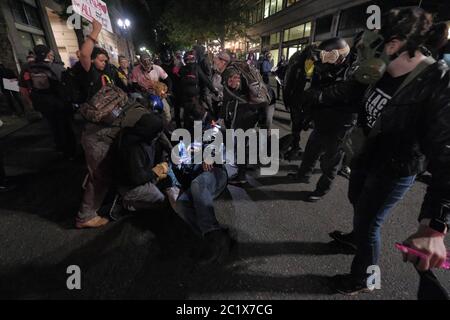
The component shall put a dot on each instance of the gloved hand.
(161, 171)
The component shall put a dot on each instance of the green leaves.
(190, 21)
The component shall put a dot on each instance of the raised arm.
(88, 46)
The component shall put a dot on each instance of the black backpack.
(190, 81)
(42, 78)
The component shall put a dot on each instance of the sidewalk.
(11, 124)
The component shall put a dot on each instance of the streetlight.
(125, 25)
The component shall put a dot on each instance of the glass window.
(307, 30)
(275, 56)
(18, 12)
(26, 40)
(33, 16)
(273, 7)
(266, 8)
(279, 5)
(39, 39)
(323, 24)
(259, 14)
(352, 20)
(25, 13)
(275, 38)
(297, 32)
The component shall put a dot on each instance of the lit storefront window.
(296, 39)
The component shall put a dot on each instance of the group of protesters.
(378, 107)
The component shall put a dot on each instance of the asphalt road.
(283, 250)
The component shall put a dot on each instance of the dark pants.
(298, 124)
(266, 78)
(328, 147)
(373, 197)
(60, 120)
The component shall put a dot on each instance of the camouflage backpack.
(258, 91)
(105, 106)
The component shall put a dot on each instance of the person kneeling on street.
(140, 166)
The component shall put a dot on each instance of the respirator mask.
(372, 60)
(334, 56)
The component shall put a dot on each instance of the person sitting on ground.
(200, 186)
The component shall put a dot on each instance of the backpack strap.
(415, 73)
(411, 77)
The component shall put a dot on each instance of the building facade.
(285, 26)
(27, 23)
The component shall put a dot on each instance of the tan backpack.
(105, 106)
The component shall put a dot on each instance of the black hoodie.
(137, 152)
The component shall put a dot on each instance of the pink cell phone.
(421, 255)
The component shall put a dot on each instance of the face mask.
(333, 56)
(372, 60)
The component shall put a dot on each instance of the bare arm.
(88, 46)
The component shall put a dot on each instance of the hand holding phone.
(407, 250)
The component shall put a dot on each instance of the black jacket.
(193, 81)
(414, 134)
(137, 152)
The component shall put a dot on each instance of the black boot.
(219, 247)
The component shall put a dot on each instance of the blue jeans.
(196, 205)
(373, 197)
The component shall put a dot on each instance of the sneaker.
(349, 285)
(94, 223)
(345, 172)
(239, 180)
(315, 196)
(346, 239)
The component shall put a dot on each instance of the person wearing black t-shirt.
(406, 119)
(94, 74)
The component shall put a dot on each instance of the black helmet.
(166, 54)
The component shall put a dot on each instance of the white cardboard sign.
(93, 9)
(11, 84)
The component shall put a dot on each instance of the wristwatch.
(439, 225)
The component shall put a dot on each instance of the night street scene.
(259, 151)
